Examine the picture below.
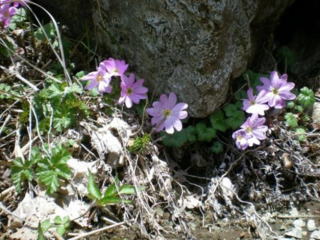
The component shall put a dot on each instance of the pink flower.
(6, 13)
(254, 104)
(276, 90)
(99, 79)
(241, 138)
(8, 9)
(251, 132)
(166, 114)
(255, 129)
(131, 90)
(115, 67)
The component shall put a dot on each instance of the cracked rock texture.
(190, 47)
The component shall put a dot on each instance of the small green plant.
(218, 121)
(7, 92)
(230, 117)
(48, 169)
(216, 147)
(140, 143)
(297, 116)
(19, 19)
(59, 225)
(306, 97)
(301, 134)
(112, 195)
(22, 171)
(205, 133)
(291, 120)
(235, 116)
(51, 170)
(60, 104)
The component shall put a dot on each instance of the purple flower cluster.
(166, 113)
(8, 9)
(273, 93)
(132, 90)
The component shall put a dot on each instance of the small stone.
(283, 227)
(315, 235)
(293, 212)
(311, 225)
(296, 233)
(316, 115)
(299, 223)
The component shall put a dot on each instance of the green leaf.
(61, 123)
(217, 147)
(40, 233)
(45, 31)
(80, 74)
(204, 133)
(74, 88)
(140, 143)
(111, 191)
(7, 92)
(306, 97)
(21, 171)
(52, 169)
(112, 200)
(62, 225)
(191, 134)
(230, 110)
(45, 225)
(301, 134)
(218, 121)
(291, 120)
(235, 115)
(19, 17)
(127, 189)
(7, 47)
(93, 189)
(236, 120)
(291, 104)
(177, 139)
(50, 179)
(298, 108)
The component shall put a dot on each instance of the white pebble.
(299, 223)
(315, 235)
(311, 225)
(296, 233)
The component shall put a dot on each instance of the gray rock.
(192, 48)
(295, 232)
(311, 225)
(299, 223)
(315, 235)
(316, 115)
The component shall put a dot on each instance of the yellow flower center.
(275, 91)
(248, 129)
(99, 78)
(129, 91)
(252, 102)
(239, 137)
(166, 113)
